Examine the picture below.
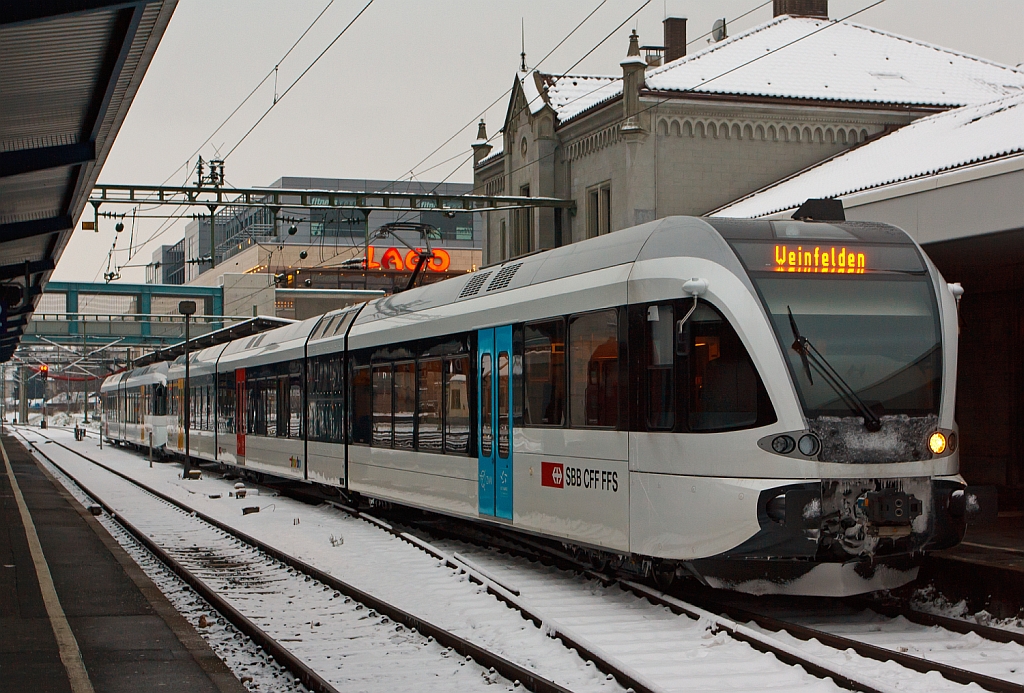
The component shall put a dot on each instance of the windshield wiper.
(812, 357)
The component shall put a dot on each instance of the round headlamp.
(937, 443)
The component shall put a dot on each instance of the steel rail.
(956, 625)
(507, 668)
(881, 654)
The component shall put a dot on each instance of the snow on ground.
(929, 600)
(350, 549)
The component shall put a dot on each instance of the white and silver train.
(764, 405)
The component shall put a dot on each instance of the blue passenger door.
(494, 421)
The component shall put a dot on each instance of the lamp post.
(188, 309)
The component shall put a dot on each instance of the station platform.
(76, 612)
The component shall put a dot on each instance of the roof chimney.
(802, 8)
(675, 38)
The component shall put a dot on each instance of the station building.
(685, 134)
(905, 132)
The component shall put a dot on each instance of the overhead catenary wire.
(299, 78)
(572, 67)
(474, 119)
(273, 72)
(169, 224)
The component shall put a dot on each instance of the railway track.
(886, 634)
(303, 617)
(662, 630)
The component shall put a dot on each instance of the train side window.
(382, 406)
(594, 370)
(325, 394)
(405, 404)
(283, 407)
(456, 405)
(362, 405)
(660, 367)
(544, 356)
(225, 403)
(724, 387)
(429, 435)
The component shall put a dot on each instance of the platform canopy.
(69, 72)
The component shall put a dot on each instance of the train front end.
(868, 332)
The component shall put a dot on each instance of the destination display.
(827, 258)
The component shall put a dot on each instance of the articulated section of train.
(763, 405)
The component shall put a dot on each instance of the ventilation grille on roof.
(472, 287)
(503, 277)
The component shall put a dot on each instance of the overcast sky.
(406, 77)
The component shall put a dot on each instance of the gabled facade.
(703, 130)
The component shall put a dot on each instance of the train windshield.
(880, 335)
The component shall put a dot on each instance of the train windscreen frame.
(866, 305)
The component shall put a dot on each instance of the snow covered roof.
(810, 58)
(497, 152)
(570, 95)
(807, 58)
(940, 142)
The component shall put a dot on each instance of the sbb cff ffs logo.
(552, 474)
(557, 475)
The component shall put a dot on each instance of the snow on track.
(244, 658)
(676, 651)
(347, 548)
(352, 647)
(970, 652)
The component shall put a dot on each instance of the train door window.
(503, 422)
(382, 419)
(486, 413)
(254, 419)
(268, 388)
(660, 367)
(723, 384)
(544, 347)
(594, 370)
(405, 404)
(456, 405)
(429, 437)
(362, 405)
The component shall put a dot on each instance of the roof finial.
(481, 131)
(522, 56)
(634, 44)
